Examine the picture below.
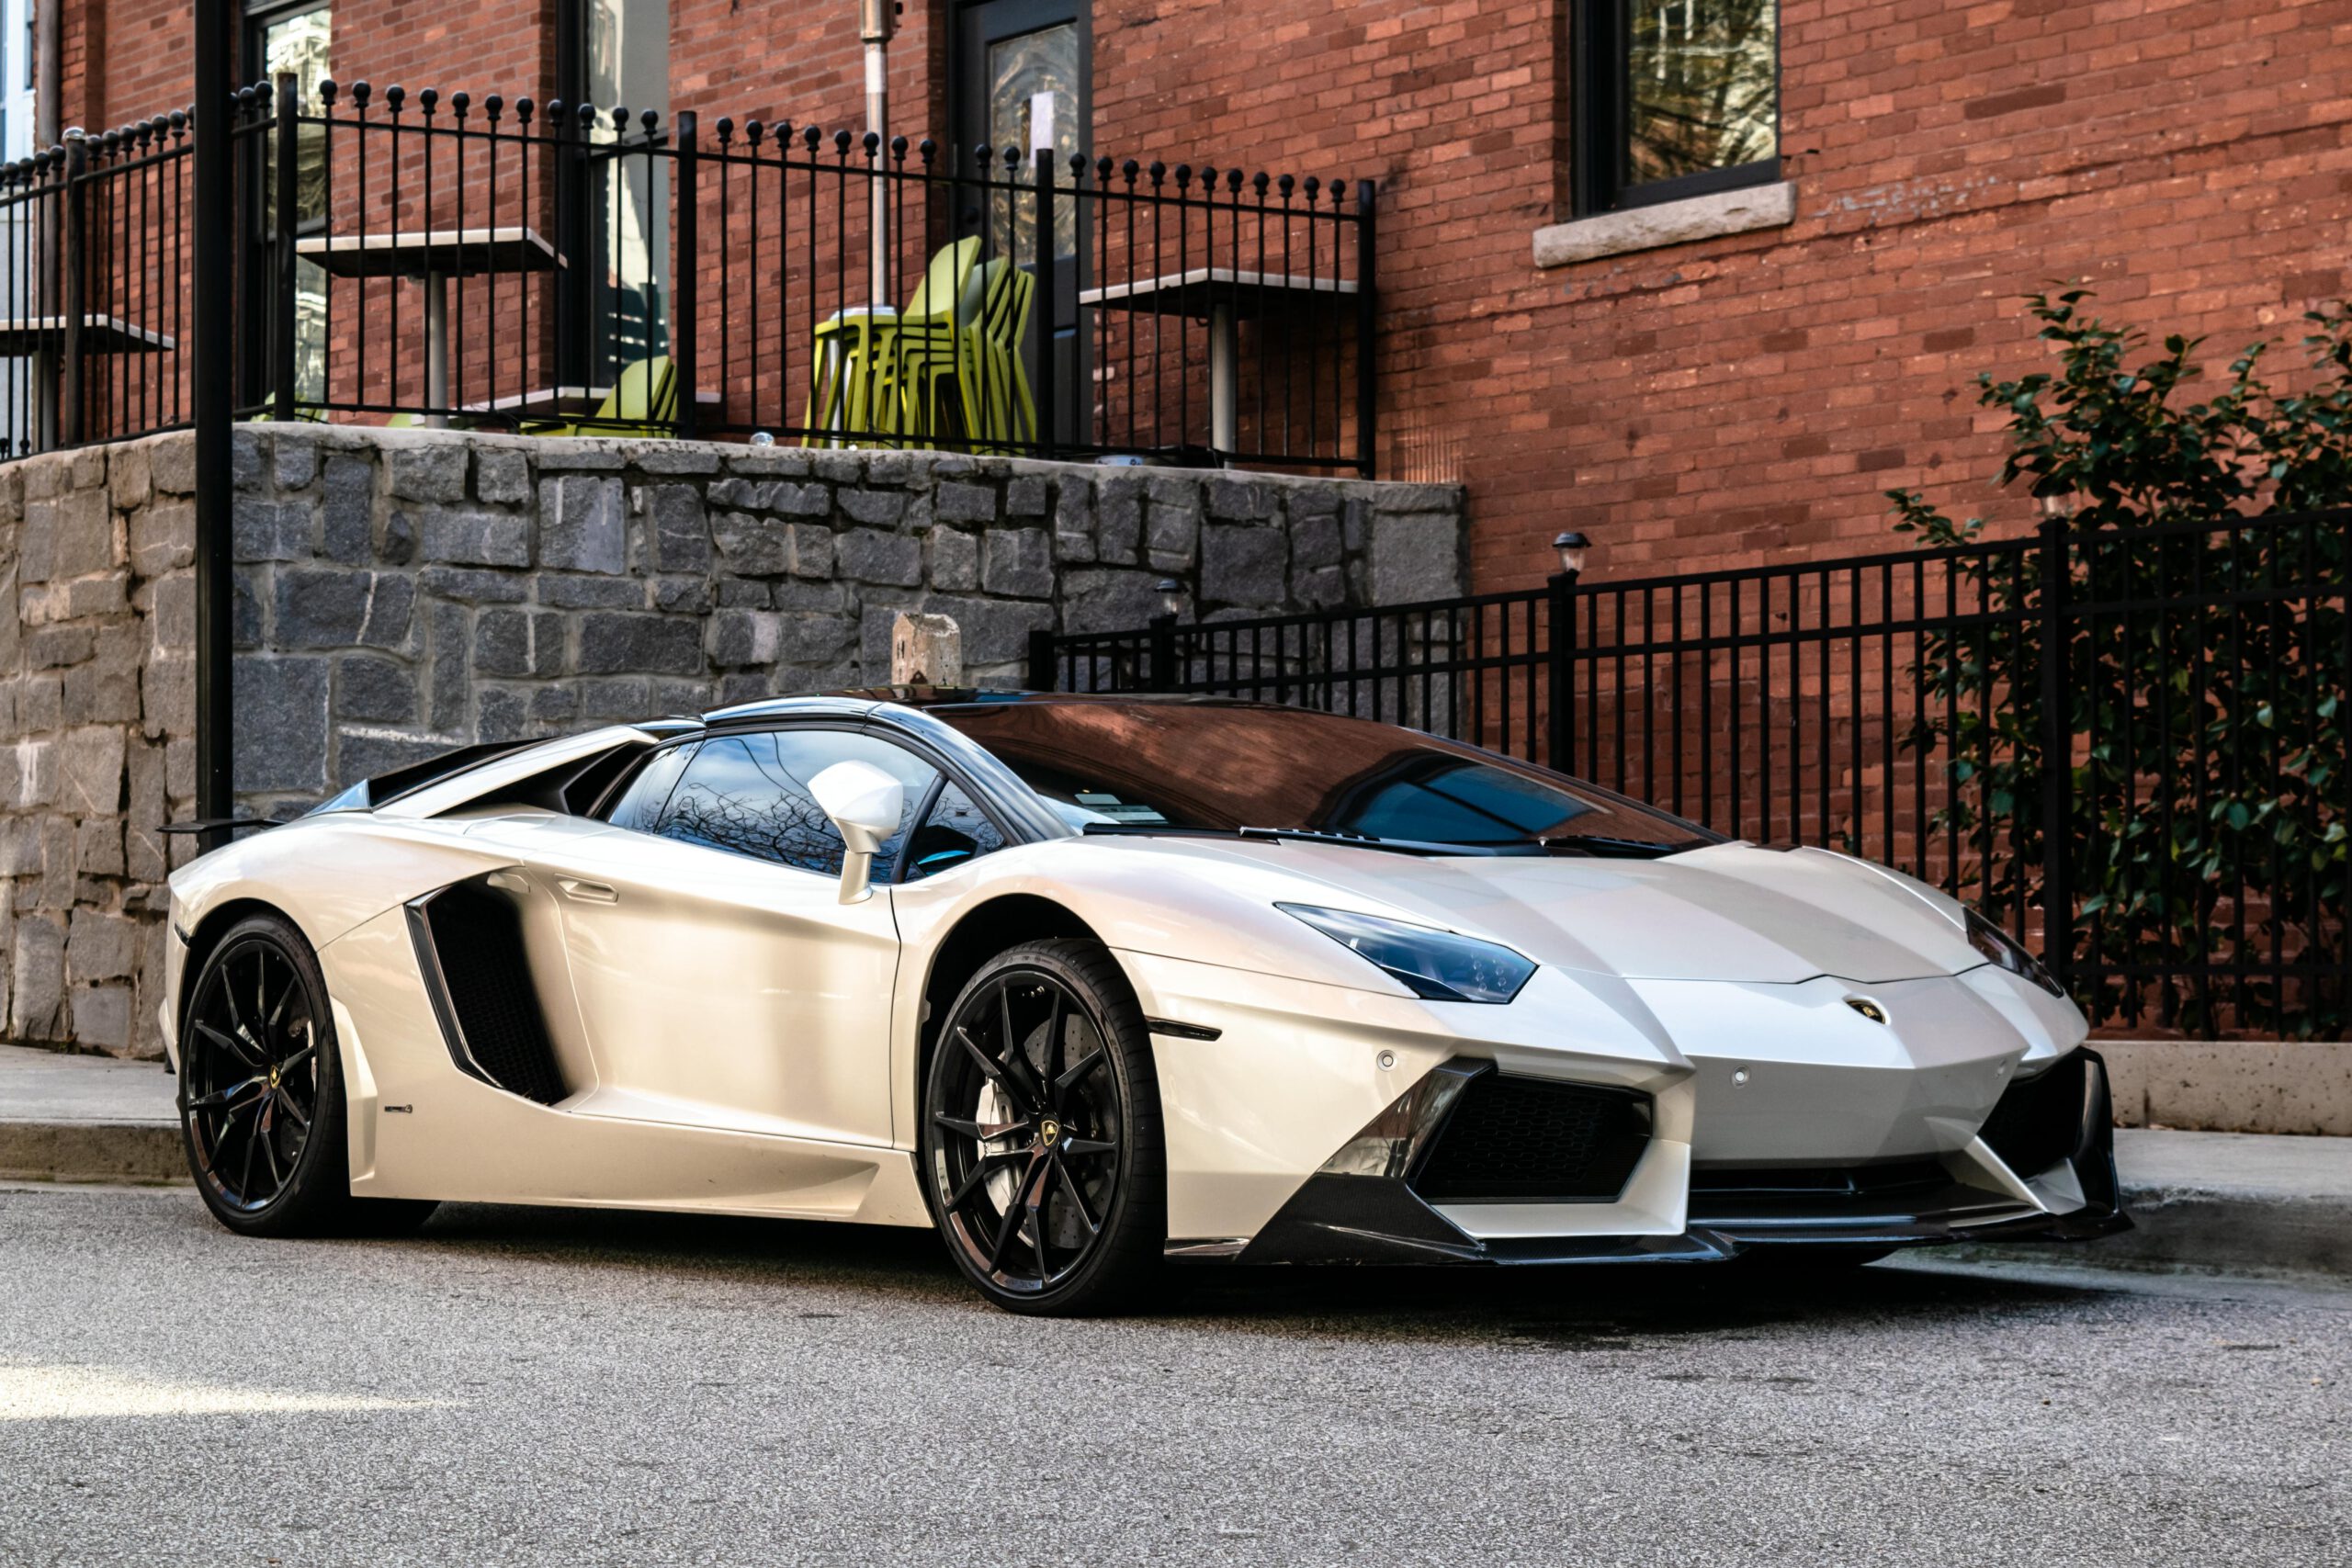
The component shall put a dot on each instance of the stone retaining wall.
(403, 591)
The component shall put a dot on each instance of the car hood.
(1725, 912)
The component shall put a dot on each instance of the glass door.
(1021, 80)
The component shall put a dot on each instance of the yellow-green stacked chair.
(851, 386)
(644, 399)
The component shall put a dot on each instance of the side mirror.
(865, 803)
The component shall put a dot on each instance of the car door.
(720, 980)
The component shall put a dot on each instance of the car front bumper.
(2040, 1169)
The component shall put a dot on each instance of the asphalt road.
(522, 1386)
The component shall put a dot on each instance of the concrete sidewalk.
(2232, 1202)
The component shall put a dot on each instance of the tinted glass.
(1180, 765)
(1701, 86)
(956, 833)
(750, 793)
(640, 803)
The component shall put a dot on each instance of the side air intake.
(470, 944)
(1515, 1140)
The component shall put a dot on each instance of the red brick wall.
(1749, 397)
(1733, 400)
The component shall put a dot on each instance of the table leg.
(1225, 428)
(436, 347)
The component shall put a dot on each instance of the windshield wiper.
(1616, 849)
(1311, 835)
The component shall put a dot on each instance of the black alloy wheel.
(261, 1091)
(1041, 1135)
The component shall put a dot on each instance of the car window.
(639, 806)
(954, 833)
(750, 793)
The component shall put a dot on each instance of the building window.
(1674, 99)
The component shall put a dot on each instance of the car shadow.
(1587, 1307)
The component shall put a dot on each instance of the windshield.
(1145, 766)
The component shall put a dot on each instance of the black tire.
(1043, 1160)
(262, 1112)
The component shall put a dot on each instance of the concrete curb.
(91, 1150)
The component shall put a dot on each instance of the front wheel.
(1040, 1142)
(261, 1092)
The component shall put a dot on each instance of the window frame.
(1598, 45)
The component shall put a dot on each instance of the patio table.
(1224, 297)
(432, 256)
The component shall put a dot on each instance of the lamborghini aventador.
(1100, 985)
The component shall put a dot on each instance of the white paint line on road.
(58, 1391)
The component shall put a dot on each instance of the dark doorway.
(1019, 79)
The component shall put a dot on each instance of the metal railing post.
(75, 262)
(1047, 265)
(2057, 759)
(212, 314)
(1367, 289)
(684, 266)
(1160, 673)
(1041, 661)
(1559, 639)
(281, 286)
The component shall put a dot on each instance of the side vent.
(1517, 1140)
(469, 944)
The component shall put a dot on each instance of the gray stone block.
(1242, 566)
(868, 555)
(503, 474)
(691, 595)
(66, 536)
(875, 508)
(248, 461)
(347, 510)
(553, 707)
(129, 476)
(679, 528)
(89, 763)
(37, 1003)
(398, 547)
(742, 593)
(1236, 501)
(171, 463)
(750, 545)
(680, 696)
(1415, 555)
(1172, 531)
(163, 538)
(1019, 563)
(298, 460)
(640, 643)
(98, 847)
(1026, 496)
(100, 946)
(582, 525)
(812, 639)
(629, 698)
(281, 709)
(320, 607)
(469, 536)
(1105, 599)
(101, 1017)
(958, 502)
(955, 560)
(372, 689)
(676, 457)
(53, 647)
(1118, 519)
(448, 695)
(424, 469)
(1314, 540)
(799, 500)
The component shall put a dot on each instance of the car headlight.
(2003, 949)
(1437, 965)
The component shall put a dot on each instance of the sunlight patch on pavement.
(62, 1391)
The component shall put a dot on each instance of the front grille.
(1513, 1140)
(477, 938)
(1822, 1183)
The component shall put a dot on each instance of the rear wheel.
(261, 1092)
(1041, 1143)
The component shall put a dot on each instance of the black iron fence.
(2182, 864)
(503, 264)
(93, 301)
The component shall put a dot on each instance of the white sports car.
(1100, 985)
